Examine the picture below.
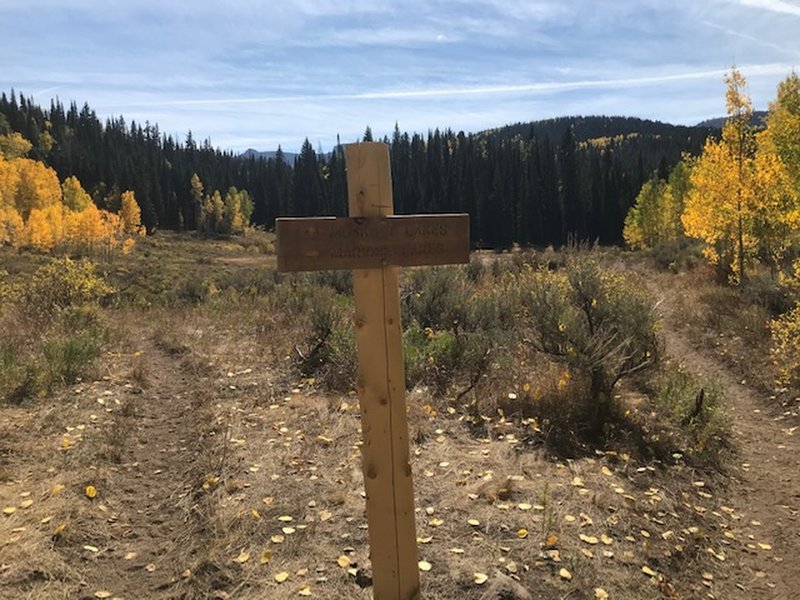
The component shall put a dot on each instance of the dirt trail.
(152, 486)
(764, 488)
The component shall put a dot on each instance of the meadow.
(180, 422)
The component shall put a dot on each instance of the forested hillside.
(536, 183)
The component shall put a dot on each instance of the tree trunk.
(600, 409)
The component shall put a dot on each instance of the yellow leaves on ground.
(649, 572)
(91, 492)
(343, 561)
(281, 577)
(266, 556)
(565, 574)
(242, 558)
(9, 510)
(102, 594)
(480, 578)
(424, 565)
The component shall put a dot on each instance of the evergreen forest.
(540, 183)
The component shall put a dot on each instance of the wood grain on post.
(381, 391)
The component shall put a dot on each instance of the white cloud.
(779, 6)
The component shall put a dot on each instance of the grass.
(207, 351)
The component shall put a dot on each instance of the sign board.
(372, 242)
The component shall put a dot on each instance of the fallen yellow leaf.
(91, 492)
(102, 594)
(266, 556)
(281, 577)
(424, 565)
(480, 578)
(343, 561)
(522, 533)
(648, 571)
(242, 558)
(564, 574)
(9, 510)
(600, 594)
(304, 591)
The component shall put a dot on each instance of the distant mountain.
(252, 152)
(597, 127)
(758, 120)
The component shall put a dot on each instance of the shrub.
(455, 329)
(68, 358)
(62, 283)
(774, 295)
(679, 254)
(598, 324)
(786, 346)
(693, 406)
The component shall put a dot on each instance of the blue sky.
(258, 74)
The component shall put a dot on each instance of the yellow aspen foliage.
(14, 146)
(232, 222)
(720, 204)
(75, 197)
(783, 125)
(37, 186)
(656, 215)
(648, 222)
(9, 177)
(12, 228)
(715, 212)
(776, 206)
(131, 214)
(54, 215)
(38, 233)
(91, 227)
(72, 227)
(112, 230)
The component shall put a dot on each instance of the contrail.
(540, 88)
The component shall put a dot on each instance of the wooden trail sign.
(374, 243)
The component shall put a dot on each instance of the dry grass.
(206, 436)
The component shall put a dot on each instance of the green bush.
(775, 295)
(679, 254)
(62, 283)
(598, 324)
(68, 359)
(694, 406)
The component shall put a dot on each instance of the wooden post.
(381, 391)
(373, 243)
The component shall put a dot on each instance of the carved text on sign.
(372, 242)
